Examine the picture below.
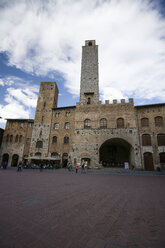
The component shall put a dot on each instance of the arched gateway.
(116, 152)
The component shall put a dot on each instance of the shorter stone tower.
(89, 86)
(47, 99)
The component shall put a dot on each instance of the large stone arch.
(115, 152)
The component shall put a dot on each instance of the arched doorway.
(162, 159)
(148, 161)
(5, 157)
(64, 159)
(115, 152)
(14, 161)
(86, 160)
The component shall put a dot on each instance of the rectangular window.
(42, 118)
(56, 126)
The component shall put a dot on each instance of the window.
(161, 139)
(39, 144)
(30, 124)
(57, 114)
(44, 105)
(120, 123)
(145, 122)
(67, 125)
(103, 123)
(146, 140)
(159, 121)
(21, 124)
(54, 140)
(38, 154)
(66, 140)
(87, 123)
(89, 100)
(67, 113)
(42, 118)
(16, 138)
(89, 43)
(56, 126)
(20, 138)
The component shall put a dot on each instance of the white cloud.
(1, 82)
(41, 37)
(20, 99)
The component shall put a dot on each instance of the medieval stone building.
(109, 134)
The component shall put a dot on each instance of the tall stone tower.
(47, 99)
(89, 86)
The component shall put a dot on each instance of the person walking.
(5, 165)
(76, 168)
(19, 166)
(83, 167)
(68, 165)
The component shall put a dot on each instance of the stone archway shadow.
(116, 152)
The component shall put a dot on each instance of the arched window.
(103, 123)
(120, 123)
(11, 138)
(44, 105)
(67, 125)
(87, 123)
(54, 155)
(54, 140)
(159, 121)
(38, 154)
(39, 144)
(66, 140)
(145, 122)
(89, 43)
(20, 138)
(161, 139)
(146, 140)
(16, 138)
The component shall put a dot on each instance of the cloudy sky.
(41, 41)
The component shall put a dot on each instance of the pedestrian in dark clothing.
(83, 167)
(19, 166)
(5, 165)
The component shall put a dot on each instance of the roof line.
(149, 105)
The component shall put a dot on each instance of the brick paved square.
(58, 209)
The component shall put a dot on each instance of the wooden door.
(148, 161)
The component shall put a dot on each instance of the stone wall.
(150, 112)
(16, 139)
(47, 99)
